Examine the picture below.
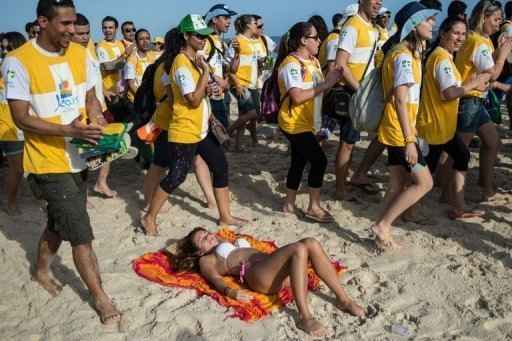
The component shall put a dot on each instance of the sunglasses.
(317, 37)
(259, 27)
(130, 30)
(198, 36)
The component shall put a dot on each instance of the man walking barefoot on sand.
(54, 78)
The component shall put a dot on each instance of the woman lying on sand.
(204, 252)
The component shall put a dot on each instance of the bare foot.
(105, 191)
(351, 307)
(149, 225)
(383, 239)
(312, 327)
(49, 284)
(233, 222)
(108, 313)
(289, 209)
(13, 210)
(211, 205)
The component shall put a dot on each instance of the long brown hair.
(483, 9)
(187, 256)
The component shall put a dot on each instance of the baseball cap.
(217, 11)
(194, 23)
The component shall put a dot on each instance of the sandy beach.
(453, 280)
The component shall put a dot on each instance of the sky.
(160, 15)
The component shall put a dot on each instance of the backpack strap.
(213, 49)
(371, 55)
(265, 43)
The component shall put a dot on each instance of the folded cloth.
(157, 267)
(113, 139)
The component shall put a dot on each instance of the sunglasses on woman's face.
(259, 27)
(317, 37)
(199, 36)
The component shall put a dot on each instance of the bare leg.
(87, 266)
(324, 270)
(149, 220)
(268, 275)
(342, 165)
(151, 181)
(205, 180)
(289, 201)
(488, 156)
(101, 183)
(225, 216)
(422, 184)
(48, 246)
(12, 182)
(375, 149)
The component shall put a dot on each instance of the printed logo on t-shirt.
(485, 52)
(11, 75)
(63, 78)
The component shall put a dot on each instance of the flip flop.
(370, 189)
(454, 215)
(323, 220)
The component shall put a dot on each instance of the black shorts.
(161, 155)
(396, 157)
(66, 195)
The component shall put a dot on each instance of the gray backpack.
(367, 104)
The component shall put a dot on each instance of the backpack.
(367, 104)
(145, 102)
(214, 48)
(270, 97)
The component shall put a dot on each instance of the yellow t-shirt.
(8, 130)
(251, 50)
(328, 49)
(358, 39)
(109, 51)
(303, 74)
(99, 82)
(400, 67)
(437, 118)
(135, 67)
(187, 124)
(475, 56)
(55, 85)
(163, 109)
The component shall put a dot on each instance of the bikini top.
(224, 249)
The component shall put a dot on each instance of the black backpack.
(145, 101)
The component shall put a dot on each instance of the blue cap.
(217, 11)
(410, 16)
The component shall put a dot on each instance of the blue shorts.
(472, 115)
(11, 148)
(348, 133)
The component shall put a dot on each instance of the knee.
(427, 184)
(300, 249)
(320, 161)
(310, 243)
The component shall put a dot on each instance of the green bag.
(493, 106)
(112, 140)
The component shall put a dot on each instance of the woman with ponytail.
(188, 129)
(437, 122)
(301, 85)
(214, 258)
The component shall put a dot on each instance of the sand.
(452, 282)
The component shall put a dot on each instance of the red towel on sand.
(157, 267)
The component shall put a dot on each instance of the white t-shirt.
(404, 75)
(483, 59)
(332, 49)
(185, 81)
(445, 75)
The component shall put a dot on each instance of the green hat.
(194, 23)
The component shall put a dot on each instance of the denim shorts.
(348, 133)
(472, 115)
(11, 148)
(250, 100)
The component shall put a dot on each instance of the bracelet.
(410, 139)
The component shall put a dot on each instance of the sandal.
(463, 215)
(325, 219)
(367, 188)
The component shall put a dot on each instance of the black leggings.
(305, 148)
(182, 156)
(457, 151)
